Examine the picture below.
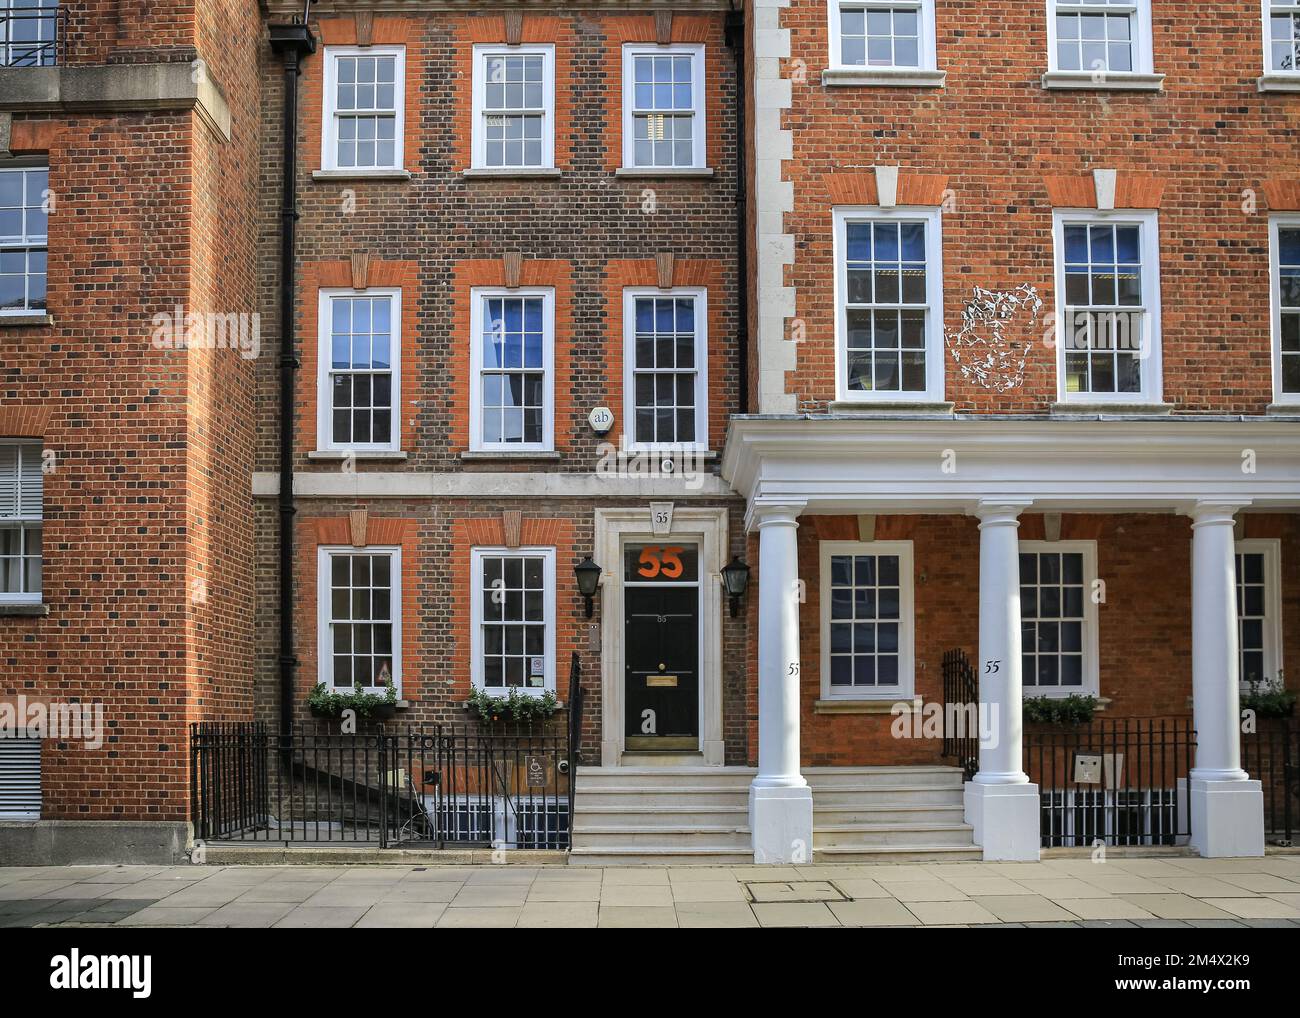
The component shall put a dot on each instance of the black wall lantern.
(588, 574)
(735, 578)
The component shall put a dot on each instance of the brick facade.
(586, 233)
(1204, 151)
(148, 547)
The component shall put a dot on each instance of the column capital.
(778, 514)
(1216, 511)
(995, 512)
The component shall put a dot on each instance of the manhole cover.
(794, 890)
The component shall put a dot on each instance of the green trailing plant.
(326, 702)
(521, 708)
(1068, 710)
(1269, 698)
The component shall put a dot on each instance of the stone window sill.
(338, 455)
(361, 175)
(876, 77)
(1111, 82)
(490, 173)
(849, 406)
(495, 455)
(642, 172)
(847, 706)
(24, 610)
(1278, 82)
(1070, 409)
(1283, 409)
(16, 321)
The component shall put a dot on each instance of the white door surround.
(614, 528)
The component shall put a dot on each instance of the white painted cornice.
(952, 465)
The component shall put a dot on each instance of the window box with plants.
(327, 703)
(514, 708)
(1269, 698)
(1071, 711)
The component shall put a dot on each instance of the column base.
(1227, 818)
(781, 822)
(1005, 818)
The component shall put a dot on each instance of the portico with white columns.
(793, 468)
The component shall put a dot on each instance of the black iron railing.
(1271, 755)
(32, 33)
(961, 712)
(438, 785)
(1118, 782)
(576, 698)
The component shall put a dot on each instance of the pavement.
(1118, 892)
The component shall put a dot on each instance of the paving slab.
(323, 916)
(491, 896)
(1024, 908)
(873, 912)
(645, 895)
(1175, 906)
(636, 916)
(561, 914)
(408, 915)
(947, 913)
(708, 890)
(809, 913)
(715, 915)
(490, 917)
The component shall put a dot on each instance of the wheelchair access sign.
(535, 771)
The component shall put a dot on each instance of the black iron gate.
(961, 712)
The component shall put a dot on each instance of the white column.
(1227, 809)
(780, 801)
(1000, 803)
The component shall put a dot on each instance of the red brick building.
(973, 339)
(518, 328)
(1025, 383)
(128, 332)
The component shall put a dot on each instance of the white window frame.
(1152, 391)
(549, 601)
(329, 127)
(482, 53)
(1143, 73)
(25, 520)
(324, 388)
(699, 133)
(1091, 669)
(28, 242)
(1281, 79)
(1275, 224)
(906, 688)
(934, 346)
(324, 643)
(477, 296)
(926, 47)
(630, 296)
(1271, 549)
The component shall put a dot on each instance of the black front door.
(662, 649)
